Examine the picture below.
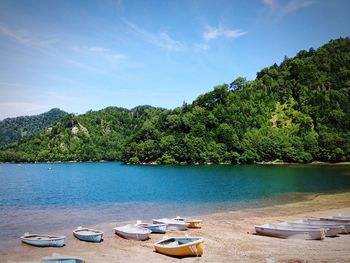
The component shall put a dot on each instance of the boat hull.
(126, 233)
(53, 242)
(62, 260)
(96, 238)
(336, 219)
(330, 230)
(346, 226)
(156, 228)
(194, 224)
(307, 234)
(172, 224)
(193, 249)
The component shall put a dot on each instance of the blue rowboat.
(43, 240)
(62, 259)
(87, 234)
(154, 228)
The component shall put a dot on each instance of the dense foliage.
(298, 111)
(15, 129)
(96, 135)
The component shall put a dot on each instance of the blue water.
(89, 193)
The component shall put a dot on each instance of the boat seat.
(173, 244)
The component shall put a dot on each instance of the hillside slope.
(298, 111)
(94, 136)
(15, 129)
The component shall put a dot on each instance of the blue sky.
(82, 55)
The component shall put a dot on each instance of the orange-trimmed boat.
(192, 223)
(180, 246)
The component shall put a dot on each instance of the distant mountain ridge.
(93, 136)
(15, 129)
(296, 112)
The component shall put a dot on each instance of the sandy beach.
(229, 237)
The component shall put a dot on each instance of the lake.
(48, 197)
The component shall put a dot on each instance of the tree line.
(297, 111)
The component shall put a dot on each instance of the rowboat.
(344, 219)
(62, 259)
(330, 231)
(43, 240)
(192, 223)
(172, 224)
(180, 246)
(345, 225)
(278, 230)
(132, 232)
(87, 234)
(154, 228)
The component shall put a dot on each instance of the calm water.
(47, 197)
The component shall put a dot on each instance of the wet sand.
(229, 237)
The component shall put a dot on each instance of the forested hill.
(298, 111)
(96, 135)
(14, 129)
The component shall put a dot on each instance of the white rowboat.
(172, 224)
(330, 231)
(87, 234)
(43, 240)
(277, 230)
(132, 232)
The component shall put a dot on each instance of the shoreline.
(228, 237)
(275, 162)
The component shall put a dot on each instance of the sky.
(88, 55)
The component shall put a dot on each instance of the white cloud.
(103, 52)
(270, 3)
(162, 40)
(14, 109)
(294, 5)
(201, 47)
(26, 38)
(287, 7)
(216, 32)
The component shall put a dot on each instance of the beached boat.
(43, 240)
(192, 223)
(281, 231)
(87, 234)
(180, 246)
(172, 224)
(330, 231)
(132, 232)
(345, 225)
(62, 259)
(343, 219)
(344, 228)
(154, 228)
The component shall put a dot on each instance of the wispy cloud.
(270, 3)
(103, 52)
(286, 7)
(162, 40)
(294, 5)
(216, 32)
(14, 108)
(46, 46)
(26, 38)
(201, 47)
